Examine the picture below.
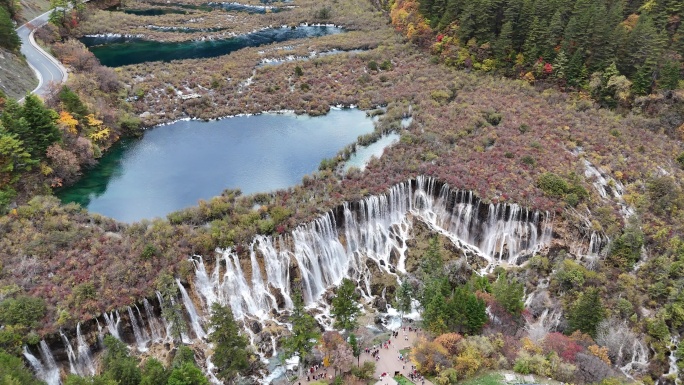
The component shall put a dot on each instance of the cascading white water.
(339, 244)
(155, 328)
(46, 368)
(192, 312)
(606, 185)
(141, 321)
(73, 359)
(141, 337)
(674, 369)
(277, 265)
(34, 362)
(639, 359)
(375, 228)
(113, 324)
(50, 365)
(167, 324)
(85, 359)
(100, 332)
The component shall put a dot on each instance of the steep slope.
(16, 77)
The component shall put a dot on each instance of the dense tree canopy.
(642, 40)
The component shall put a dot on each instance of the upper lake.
(172, 167)
(116, 51)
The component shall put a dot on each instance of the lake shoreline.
(157, 174)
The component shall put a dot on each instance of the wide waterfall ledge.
(373, 232)
(354, 240)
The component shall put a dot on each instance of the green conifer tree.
(305, 333)
(230, 352)
(587, 313)
(509, 294)
(344, 306)
(8, 36)
(43, 130)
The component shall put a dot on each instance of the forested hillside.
(613, 49)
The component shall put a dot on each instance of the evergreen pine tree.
(344, 306)
(404, 297)
(356, 348)
(476, 314)
(43, 129)
(503, 46)
(536, 38)
(669, 75)
(451, 12)
(587, 313)
(560, 65)
(13, 158)
(425, 8)
(642, 81)
(8, 36)
(509, 294)
(436, 315)
(305, 333)
(72, 103)
(576, 72)
(154, 373)
(230, 352)
(644, 46)
(13, 122)
(555, 34)
(432, 263)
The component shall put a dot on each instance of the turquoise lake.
(172, 167)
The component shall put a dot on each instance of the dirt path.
(388, 361)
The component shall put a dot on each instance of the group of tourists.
(314, 375)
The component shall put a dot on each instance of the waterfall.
(277, 265)
(674, 369)
(141, 336)
(141, 321)
(49, 372)
(341, 243)
(233, 290)
(155, 328)
(100, 332)
(51, 368)
(608, 186)
(167, 324)
(192, 312)
(113, 324)
(639, 359)
(73, 360)
(376, 229)
(85, 360)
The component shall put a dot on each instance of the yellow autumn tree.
(99, 133)
(600, 352)
(67, 122)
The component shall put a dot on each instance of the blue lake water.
(172, 167)
(116, 51)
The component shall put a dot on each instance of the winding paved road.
(48, 70)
